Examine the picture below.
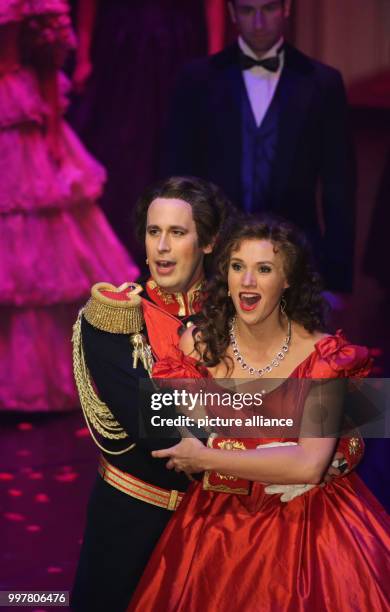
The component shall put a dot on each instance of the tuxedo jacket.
(312, 180)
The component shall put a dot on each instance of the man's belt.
(135, 487)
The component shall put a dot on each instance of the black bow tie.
(271, 64)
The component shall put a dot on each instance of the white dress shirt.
(260, 83)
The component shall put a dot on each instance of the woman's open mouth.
(249, 301)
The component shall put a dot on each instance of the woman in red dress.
(281, 546)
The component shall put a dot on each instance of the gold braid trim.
(96, 413)
(115, 316)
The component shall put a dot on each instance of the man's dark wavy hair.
(304, 301)
(210, 207)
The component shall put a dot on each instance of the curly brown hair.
(304, 301)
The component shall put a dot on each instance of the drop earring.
(283, 306)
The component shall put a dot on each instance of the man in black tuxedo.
(269, 125)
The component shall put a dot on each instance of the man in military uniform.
(116, 339)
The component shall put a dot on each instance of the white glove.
(290, 491)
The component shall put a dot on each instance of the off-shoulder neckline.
(337, 337)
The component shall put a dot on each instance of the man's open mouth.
(164, 265)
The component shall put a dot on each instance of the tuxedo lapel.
(225, 101)
(227, 98)
(292, 100)
(293, 96)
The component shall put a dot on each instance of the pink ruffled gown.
(54, 240)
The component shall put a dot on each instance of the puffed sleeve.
(337, 358)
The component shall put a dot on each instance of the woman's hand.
(183, 457)
(337, 468)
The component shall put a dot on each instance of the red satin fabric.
(162, 328)
(326, 550)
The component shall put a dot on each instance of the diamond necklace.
(240, 359)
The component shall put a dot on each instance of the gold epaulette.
(117, 310)
(97, 414)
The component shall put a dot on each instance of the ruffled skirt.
(54, 244)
